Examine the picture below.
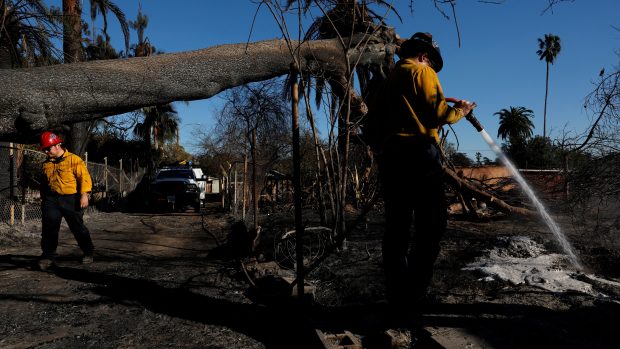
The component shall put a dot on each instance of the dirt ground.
(172, 281)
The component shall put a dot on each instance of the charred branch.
(464, 186)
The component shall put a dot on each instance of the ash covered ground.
(172, 280)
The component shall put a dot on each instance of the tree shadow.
(275, 327)
(15, 261)
(290, 324)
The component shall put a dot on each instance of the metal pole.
(23, 202)
(11, 184)
(245, 184)
(120, 178)
(224, 189)
(105, 176)
(235, 192)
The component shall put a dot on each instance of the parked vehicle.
(202, 184)
(176, 188)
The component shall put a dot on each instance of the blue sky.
(496, 64)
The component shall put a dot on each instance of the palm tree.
(515, 124)
(99, 50)
(548, 49)
(161, 123)
(143, 48)
(27, 28)
(103, 7)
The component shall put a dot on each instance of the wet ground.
(172, 281)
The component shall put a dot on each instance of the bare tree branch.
(605, 97)
(552, 3)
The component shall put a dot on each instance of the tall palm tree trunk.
(72, 29)
(545, 110)
(72, 52)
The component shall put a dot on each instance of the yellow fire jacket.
(413, 104)
(67, 175)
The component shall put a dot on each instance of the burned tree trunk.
(37, 98)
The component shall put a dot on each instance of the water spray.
(555, 229)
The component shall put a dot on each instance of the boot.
(46, 264)
(87, 259)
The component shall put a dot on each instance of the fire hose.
(470, 117)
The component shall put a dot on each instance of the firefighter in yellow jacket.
(411, 108)
(65, 186)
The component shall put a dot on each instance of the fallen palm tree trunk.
(33, 99)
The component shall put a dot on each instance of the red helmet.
(48, 139)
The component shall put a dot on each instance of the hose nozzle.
(472, 119)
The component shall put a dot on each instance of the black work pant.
(412, 183)
(54, 208)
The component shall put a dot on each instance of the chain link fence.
(20, 199)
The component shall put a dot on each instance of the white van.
(202, 184)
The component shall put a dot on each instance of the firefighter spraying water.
(527, 189)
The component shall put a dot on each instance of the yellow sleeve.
(432, 94)
(82, 176)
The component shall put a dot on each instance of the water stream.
(555, 229)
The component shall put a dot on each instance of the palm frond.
(26, 33)
(105, 6)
